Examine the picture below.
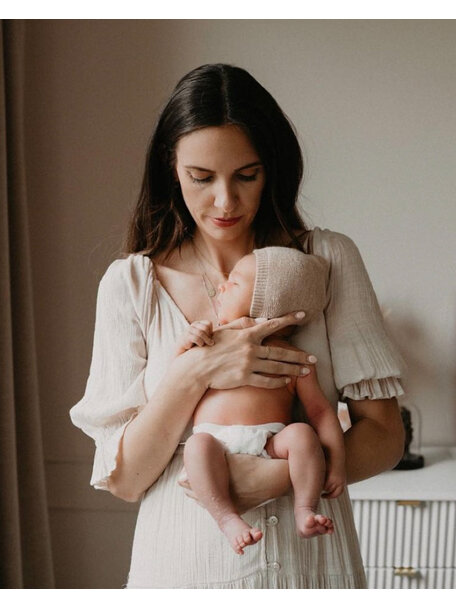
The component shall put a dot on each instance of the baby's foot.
(239, 533)
(309, 523)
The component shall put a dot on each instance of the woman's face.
(221, 178)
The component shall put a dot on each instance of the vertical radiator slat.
(442, 538)
(433, 539)
(382, 532)
(373, 533)
(450, 557)
(399, 538)
(390, 534)
(417, 518)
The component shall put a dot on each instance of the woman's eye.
(200, 180)
(241, 176)
(248, 178)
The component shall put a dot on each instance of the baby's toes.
(328, 523)
(237, 546)
(241, 541)
(246, 538)
(310, 521)
(251, 537)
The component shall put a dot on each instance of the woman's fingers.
(182, 480)
(268, 327)
(287, 355)
(266, 366)
(265, 382)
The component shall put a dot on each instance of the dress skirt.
(190, 552)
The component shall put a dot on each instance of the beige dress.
(176, 543)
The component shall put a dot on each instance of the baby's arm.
(199, 333)
(325, 422)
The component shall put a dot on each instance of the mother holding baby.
(222, 176)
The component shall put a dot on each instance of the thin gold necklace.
(210, 291)
(225, 274)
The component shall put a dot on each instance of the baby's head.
(271, 282)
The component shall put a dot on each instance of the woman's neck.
(223, 254)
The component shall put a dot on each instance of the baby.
(267, 283)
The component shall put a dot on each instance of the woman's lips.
(225, 223)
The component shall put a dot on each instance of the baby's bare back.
(247, 404)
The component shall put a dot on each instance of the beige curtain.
(25, 545)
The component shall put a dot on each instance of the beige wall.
(373, 102)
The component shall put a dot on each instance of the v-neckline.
(166, 293)
(171, 301)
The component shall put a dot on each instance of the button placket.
(272, 546)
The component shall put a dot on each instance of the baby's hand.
(335, 482)
(198, 333)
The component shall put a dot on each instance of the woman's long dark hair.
(210, 96)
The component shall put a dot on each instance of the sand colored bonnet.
(287, 280)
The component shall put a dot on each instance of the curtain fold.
(25, 542)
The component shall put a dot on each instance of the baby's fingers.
(203, 325)
(200, 337)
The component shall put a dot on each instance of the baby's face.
(235, 295)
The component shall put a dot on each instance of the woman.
(222, 177)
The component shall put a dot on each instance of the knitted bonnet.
(288, 280)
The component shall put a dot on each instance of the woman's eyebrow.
(254, 164)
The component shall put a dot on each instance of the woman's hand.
(253, 480)
(238, 358)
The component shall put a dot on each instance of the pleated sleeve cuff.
(366, 363)
(106, 453)
(383, 388)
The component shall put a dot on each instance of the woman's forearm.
(255, 480)
(149, 441)
(375, 441)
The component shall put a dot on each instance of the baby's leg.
(299, 444)
(207, 470)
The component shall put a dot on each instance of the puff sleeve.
(366, 364)
(115, 388)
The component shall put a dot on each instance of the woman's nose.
(225, 199)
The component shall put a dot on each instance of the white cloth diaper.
(242, 438)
